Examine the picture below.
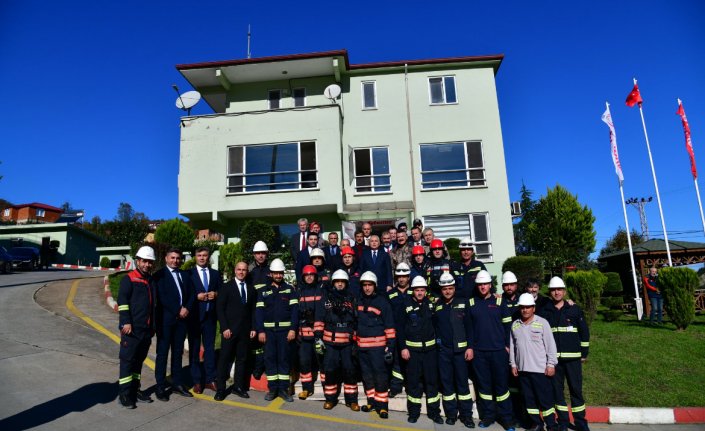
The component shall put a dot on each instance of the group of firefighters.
(440, 326)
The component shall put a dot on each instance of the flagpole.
(658, 195)
(689, 147)
(700, 203)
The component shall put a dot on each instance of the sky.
(88, 111)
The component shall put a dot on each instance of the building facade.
(402, 140)
(31, 213)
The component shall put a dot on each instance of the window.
(272, 167)
(372, 170)
(299, 97)
(6, 213)
(475, 226)
(452, 165)
(442, 90)
(369, 95)
(40, 213)
(274, 99)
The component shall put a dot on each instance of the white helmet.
(340, 275)
(556, 283)
(483, 277)
(369, 276)
(526, 300)
(277, 266)
(418, 281)
(402, 269)
(260, 246)
(317, 252)
(509, 277)
(446, 280)
(465, 243)
(146, 252)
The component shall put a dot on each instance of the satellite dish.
(188, 100)
(332, 92)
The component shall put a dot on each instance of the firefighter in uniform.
(276, 322)
(396, 300)
(259, 274)
(350, 266)
(417, 342)
(437, 265)
(454, 332)
(468, 268)
(491, 323)
(511, 297)
(309, 297)
(136, 308)
(418, 262)
(334, 329)
(318, 260)
(573, 342)
(375, 338)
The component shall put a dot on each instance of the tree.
(125, 213)
(585, 288)
(618, 241)
(527, 206)
(256, 230)
(678, 287)
(560, 230)
(175, 233)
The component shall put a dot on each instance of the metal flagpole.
(689, 147)
(658, 195)
(700, 203)
(637, 299)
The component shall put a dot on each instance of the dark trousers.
(454, 383)
(573, 372)
(518, 406)
(339, 367)
(422, 376)
(537, 390)
(133, 351)
(254, 365)
(202, 332)
(397, 372)
(492, 373)
(277, 360)
(374, 377)
(234, 348)
(308, 363)
(170, 337)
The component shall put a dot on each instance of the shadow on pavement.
(77, 401)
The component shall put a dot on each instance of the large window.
(371, 170)
(274, 98)
(442, 90)
(299, 96)
(271, 167)
(474, 226)
(452, 165)
(40, 213)
(369, 95)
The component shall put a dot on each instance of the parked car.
(25, 257)
(5, 261)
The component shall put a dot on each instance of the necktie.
(205, 285)
(243, 293)
(374, 256)
(179, 286)
(303, 241)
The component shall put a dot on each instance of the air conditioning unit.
(516, 209)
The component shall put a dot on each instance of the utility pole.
(639, 204)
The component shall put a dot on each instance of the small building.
(59, 242)
(31, 213)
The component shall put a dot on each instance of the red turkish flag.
(634, 97)
(688, 142)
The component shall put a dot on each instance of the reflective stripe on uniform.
(420, 343)
(277, 324)
(507, 319)
(293, 301)
(564, 329)
(548, 412)
(260, 304)
(123, 307)
(413, 400)
(503, 397)
(485, 396)
(532, 411)
(584, 344)
(397, 374)
(569, 354)
(136, 376)
(462, 344)
(561, 408)
(578, 408)
(283, 377)
(465, 397)
(449, 397)
(125, 380)
(435, 399)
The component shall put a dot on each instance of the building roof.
(38, 205)
(658, 246)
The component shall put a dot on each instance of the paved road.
(59, 373)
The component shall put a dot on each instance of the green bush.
(612, 315)
(255, 230)
(176, 233)
(585, 288)
(104, 262)
(452, 245)
(613, 291)
(213, 246)
(525, 268)
(230, 254)
(678, 289)
(188, 264)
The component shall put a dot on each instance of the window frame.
(468, 179)
(374, 94)
(372, 176)
(269, 99)
(293, 97)
(6, 212)
(244, 174)
(40, 212)
(443, 90)
(483, 257)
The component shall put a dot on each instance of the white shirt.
(177, 280)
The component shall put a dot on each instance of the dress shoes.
(450, 421)
(126, 401)
(197, 388)
(269, 396)
(353, 406)
(162, 394)
(219, 395)
(328, 405)
(284, 394)
(241, 393)
(142, 397)
(468, 422)
(212, 386)
(437, 419)
(179, 389)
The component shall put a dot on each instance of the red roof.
(40, 206)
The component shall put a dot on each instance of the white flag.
(607, 118)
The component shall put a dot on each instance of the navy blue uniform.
(434, 269)
(260, 277)
(396, 300)
(309, 297)
(468, 273)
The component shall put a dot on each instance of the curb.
(90, 268)
(112, 304)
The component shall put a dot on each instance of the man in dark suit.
(304, 256)
(202, 321)
(334, 260)
(236, 306)
(299, 240)
(377, 260)
(174, 300)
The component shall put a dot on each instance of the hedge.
(678, 289)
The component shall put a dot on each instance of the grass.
(114, 280)
(632, 364)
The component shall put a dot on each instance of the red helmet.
(418, 249)
(436, 243)
(346, 250)
(309, 269)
